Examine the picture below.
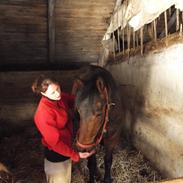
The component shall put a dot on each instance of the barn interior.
(139, 42)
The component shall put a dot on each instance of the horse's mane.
(89, 75)
(92, 73)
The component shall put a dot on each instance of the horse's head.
(92, 103)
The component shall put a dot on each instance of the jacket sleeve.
(51, 135)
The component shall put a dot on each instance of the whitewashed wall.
(152, 92)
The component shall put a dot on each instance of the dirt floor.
(22, 154)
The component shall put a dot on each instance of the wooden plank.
(82, 13)
(78, 45)
(23, 20)
(78, 37)
(23, 32)
(93, 20)
(25, 2)
(16, 54)
(77, 58)
(34, 37)
(25, 28)
(78, 25)
(98, 29)
(74, 51)
(85, 4)
(28, 44)
(22, 10)
(26, 61)
(51, 30)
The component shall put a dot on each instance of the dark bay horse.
(100, 116)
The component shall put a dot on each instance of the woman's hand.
(86, 154)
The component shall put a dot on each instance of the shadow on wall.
(151, 94)
(133, 104)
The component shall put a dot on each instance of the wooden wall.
(80, 27)
(76, 28)
(17, 101)
(23, 32)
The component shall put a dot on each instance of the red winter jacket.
(52, 120)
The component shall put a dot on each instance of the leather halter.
(104, 129)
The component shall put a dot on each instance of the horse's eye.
(98, 114)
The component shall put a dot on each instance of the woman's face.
(53, 92)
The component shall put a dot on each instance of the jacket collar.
(48, 101)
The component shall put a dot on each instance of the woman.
(53, 122)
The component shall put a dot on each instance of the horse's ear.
(78, 84)
(100, 85)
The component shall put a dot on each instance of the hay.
(22, 154)
(129, 166)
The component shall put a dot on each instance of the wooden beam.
(51, 30)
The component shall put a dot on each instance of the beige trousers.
(59, 172)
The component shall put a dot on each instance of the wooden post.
(177, 19)
(141, 40)
(114, 46)
(154, 30)
(181, 22)
(128, 39)
(113, 39)
(180, 30)
(51, 30)
(166, 26)
(137, 38)
(119, 47)
(133, 39)
(123, 39)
